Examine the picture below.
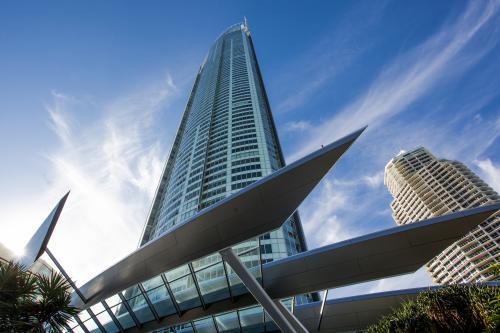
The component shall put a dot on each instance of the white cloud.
(409, 77)
(297, 126)
(320, 222)
(111, 165)
(407, 281)
(374, 180)
(490, 172)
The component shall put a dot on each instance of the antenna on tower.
(245, 22)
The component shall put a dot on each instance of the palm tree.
(32, 302)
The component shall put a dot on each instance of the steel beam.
(94, 318)
(322, 309)
(276, 313)
(150, 305)
(63, 272)
(197, 286)
(172, 296)
(112, 315)
(82, 325)
(130, 310)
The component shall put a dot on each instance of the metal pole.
(63, 272)
(148, 301)
(321, 310)
(130, 311)
(172, 296)
(257, 291)
(295, 322)
(112, 315)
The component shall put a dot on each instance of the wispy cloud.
(410, 76)
(297, 126)
(420, 278)
(491, 173)
(333, 54)
(323, 226)
(112, 166)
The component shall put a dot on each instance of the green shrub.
(455, 308)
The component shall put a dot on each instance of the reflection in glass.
(123, 316)
(161, 301)
(205, 325)
(206, 261)
(91, 326)
(152, 283)
(177, 273)
(213, 283)
(141, 309)
(105, 319)
(251, 259)
(252, 319)
(185, 293)
(228, 322)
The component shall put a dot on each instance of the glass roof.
(197, 284)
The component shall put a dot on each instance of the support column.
(281, 318)
(322, 309)
(63, 272)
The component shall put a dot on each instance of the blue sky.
(91, 94)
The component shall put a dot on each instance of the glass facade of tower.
(226, 141)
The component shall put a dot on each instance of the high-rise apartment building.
(424, 186)
(226, 141)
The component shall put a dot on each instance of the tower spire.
(245, 23)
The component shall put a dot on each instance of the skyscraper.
(226, 141)
(424, 186)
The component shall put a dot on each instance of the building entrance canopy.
(166, 283)
(255, 210)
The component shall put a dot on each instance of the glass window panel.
(77, 329)
(113, 300)
(152, 283)
(123, 316)
(97, 308)
(237, 287)
(205, 325)
(287, 302)
(246, 245)
(184, 328)
(185, 293)
(228, 322)
(251, 260)
(252, 319)
(141, 309)
(177, 273)
(213, 284)
(206, 261)
(270, 325)
(105, 319)
(161, 301)
(131, 292)
(83, 315)
(91, 325)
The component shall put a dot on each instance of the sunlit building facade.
(226, 141)
(424, 186)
